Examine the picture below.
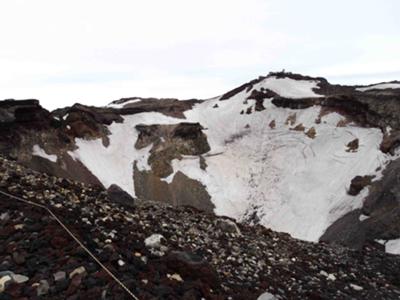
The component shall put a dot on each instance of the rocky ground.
(160, 252)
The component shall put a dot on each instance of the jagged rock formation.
(170, 142)
(160, 252)
(284, 151)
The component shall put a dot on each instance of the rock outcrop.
(118, 195)
(171, 142)
(381, 211)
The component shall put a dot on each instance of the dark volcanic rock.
(353, 145)
(347, 230)
(26, 124)
(180, 192)
(390, 142)
(189, 137)
(118, 195)
(382, 206)
(259, 96)
(170, 107)
(247, 86)
(171, 142)
(192, 266)
(358, 183)
(367, 109)
(23, 111)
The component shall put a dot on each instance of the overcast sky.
(95, 51)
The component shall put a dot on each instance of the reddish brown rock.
(59, 242)
(272, 124)
(358, 183)
(311, 133)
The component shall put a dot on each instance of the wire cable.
(76, 240)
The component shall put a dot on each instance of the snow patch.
(381, 86)
(391, 246)
(121, 105)
(37, 151)
(363, 217)
(289, 88)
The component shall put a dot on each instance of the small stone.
(19, 258)
(60, 275)
(4, 281)
(154, 241)
(42, 288)
(74, 284)
(299, 127)
(272, 124)
(18, 226)
(311, 133)
(331, 277)
(176, 277)
(145, 281)
(154, 244)
(77, 271)
(356, 287)
(227, 225)
(18, 278)
(322, 272)
(353, 146)
(121, 263)
(4, 217)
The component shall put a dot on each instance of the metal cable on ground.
(76, 240)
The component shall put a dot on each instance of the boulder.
(227, 225)
(358, 183)
(118, 195)
(353, 146)
(191, 266)
(155, 243)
